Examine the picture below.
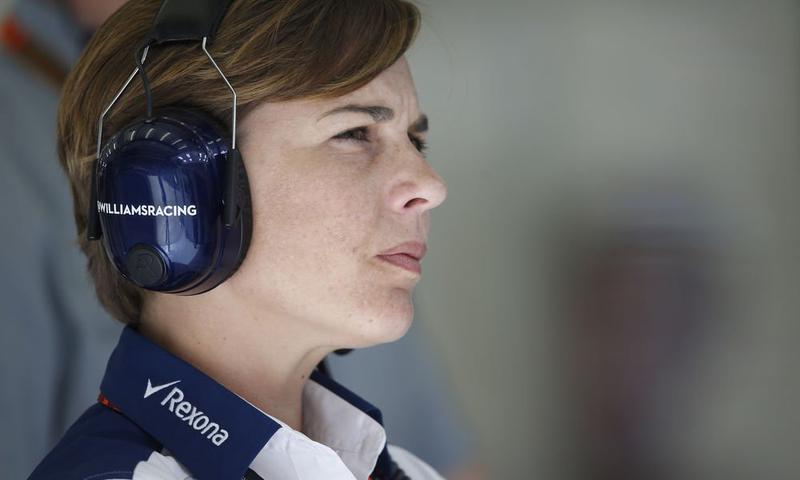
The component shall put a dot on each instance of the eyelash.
(350, 135)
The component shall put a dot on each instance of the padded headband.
(182, 20)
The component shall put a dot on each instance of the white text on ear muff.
(147, 210)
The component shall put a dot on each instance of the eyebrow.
(379, 113)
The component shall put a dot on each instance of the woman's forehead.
(392, 88)
(392, 92)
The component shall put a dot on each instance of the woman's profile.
(225, 384)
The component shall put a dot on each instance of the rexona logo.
(188, 413)
(147, 210)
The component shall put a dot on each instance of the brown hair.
(269, 50)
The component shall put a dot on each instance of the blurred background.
(612, 287)
(613, 283)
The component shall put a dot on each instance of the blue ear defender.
(170, 195)
(160, 199)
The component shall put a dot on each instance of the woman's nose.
(422, 188)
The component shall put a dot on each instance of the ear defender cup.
(160, 187)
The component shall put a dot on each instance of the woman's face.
(324, 208)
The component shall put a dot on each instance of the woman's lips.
(402, 260)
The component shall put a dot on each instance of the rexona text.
(187, 412)
(147, 210)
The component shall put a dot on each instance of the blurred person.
(258, 333)
(639, 300)
(54, 337)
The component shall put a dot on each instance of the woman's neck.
(261, 358)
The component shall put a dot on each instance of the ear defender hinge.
(231, 188)
(93, 229)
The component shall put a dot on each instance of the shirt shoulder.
(101, 445)
(412, 465)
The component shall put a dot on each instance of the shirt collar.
(216, 434)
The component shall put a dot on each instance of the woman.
(224, 384)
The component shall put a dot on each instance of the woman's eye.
(361, 134)
(356, 135)
(418, 142)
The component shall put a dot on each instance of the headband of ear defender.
(170, 194)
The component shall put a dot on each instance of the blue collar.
(212, 431)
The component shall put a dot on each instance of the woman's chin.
(397, 329)
(388, 325)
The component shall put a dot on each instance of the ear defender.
(161, 185)
(170, 195)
